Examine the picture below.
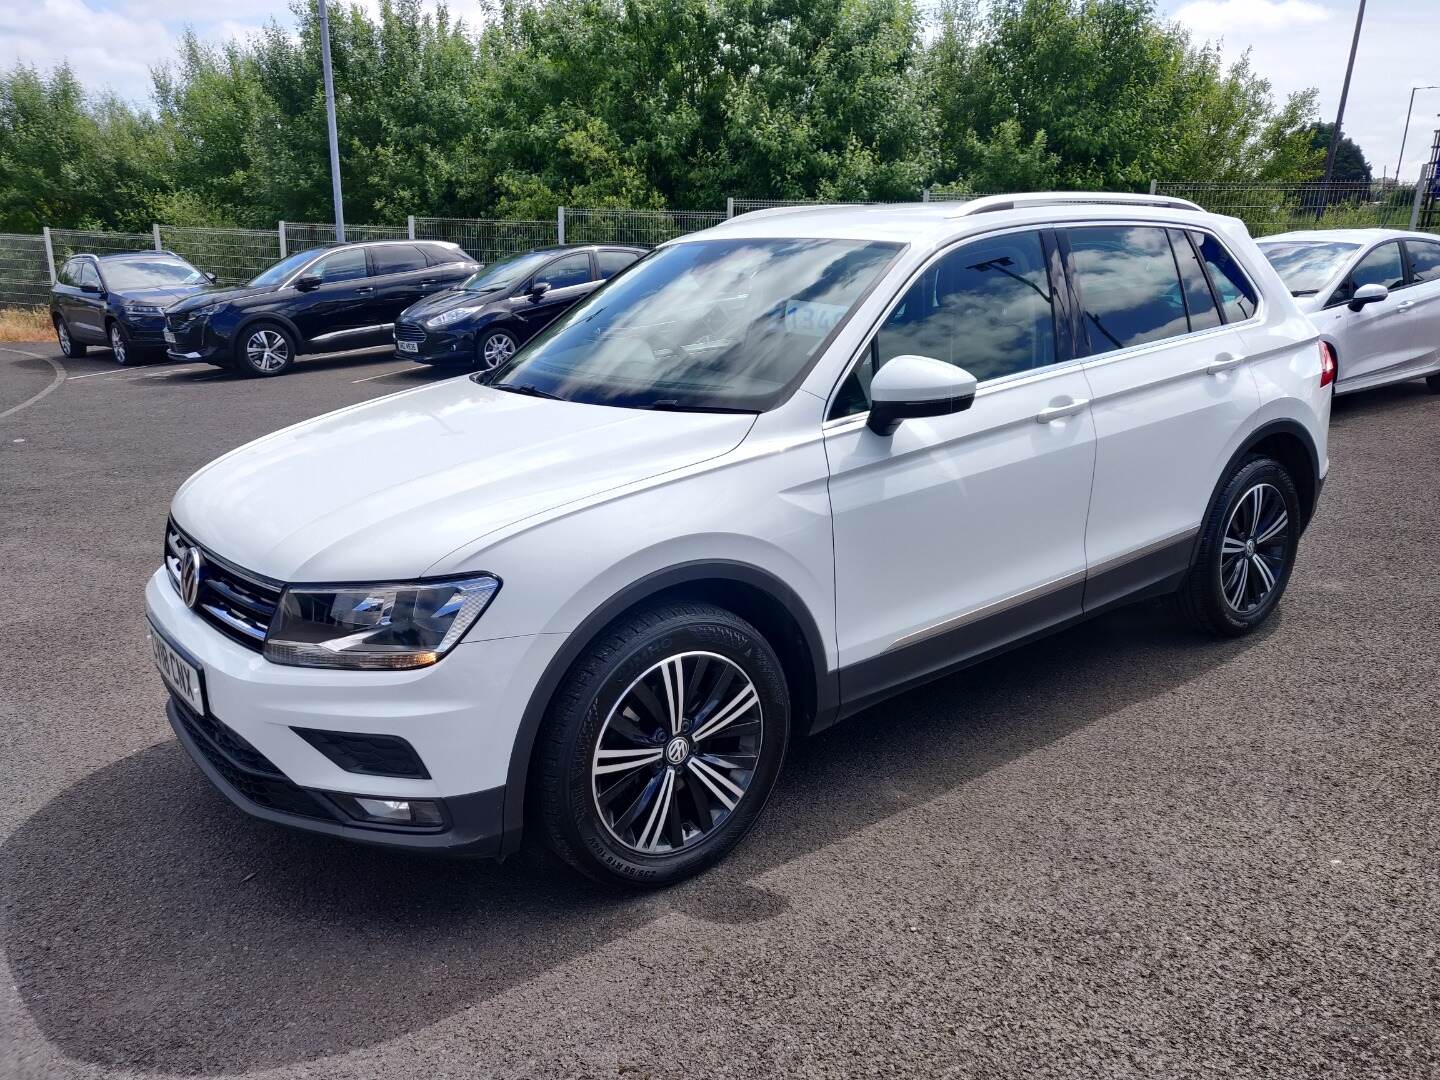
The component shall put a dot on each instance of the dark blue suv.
(120, 301)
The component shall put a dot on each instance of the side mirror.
(307, 282)
(915, 386)
(1368, 294)
(211, 277)
(89, 288)
(538, 289)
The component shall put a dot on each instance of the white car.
(767, 476)
(1374, 295)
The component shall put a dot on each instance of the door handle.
(1224, 362)
(365, 289)
(1059, 412)
(428, 281)
(1405, 305)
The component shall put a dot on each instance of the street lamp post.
(330, 123)
(1340, 113)
(1401, 162)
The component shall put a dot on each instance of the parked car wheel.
(1247, 549)
(265, 349)
(494, 349)
(663, 745)
(125, 354)
(69, 347)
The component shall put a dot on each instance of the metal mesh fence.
(301, 236)
(234, 256)
(645, 228)
(24, 273)
(67, 242)
(488, 240)
(1276, 208)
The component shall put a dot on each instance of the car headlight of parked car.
(142, 309)
(454, 315)
(385, 627)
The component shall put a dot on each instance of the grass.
(25, 324)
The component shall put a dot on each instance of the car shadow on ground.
(150, 925)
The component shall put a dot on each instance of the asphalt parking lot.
(1122, 852)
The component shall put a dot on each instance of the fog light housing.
(414, 813)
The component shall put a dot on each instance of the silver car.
(1374, 295)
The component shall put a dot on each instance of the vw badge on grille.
(192, 563)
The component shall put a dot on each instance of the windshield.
(150, 272)
(284, 268)
(1306, 265)
(506, 272)
(709, 324)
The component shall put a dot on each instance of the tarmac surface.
(1124, 851)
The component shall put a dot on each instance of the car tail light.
(1327, 364)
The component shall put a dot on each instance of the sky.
(1295, 44)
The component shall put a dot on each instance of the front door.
(1374, 340)
(960, 534)
(331, 315)
(1171, 388)
(87, 304)
(569, 277)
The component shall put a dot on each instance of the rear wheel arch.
(756, 595)
(1290, 444)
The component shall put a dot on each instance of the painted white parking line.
(372, 378)
(54, 383)
(128, 371)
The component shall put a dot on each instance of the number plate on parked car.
(409, 346)
(170, 336)
(179, 674)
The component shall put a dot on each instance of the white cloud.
(1212, 18)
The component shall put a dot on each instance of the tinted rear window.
(1129, 287)
(397, 259)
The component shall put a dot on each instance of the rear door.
(569, 277)
(401, 276)
(1378, 338)
(1159, 312)
(334, 314)
(1423, 296)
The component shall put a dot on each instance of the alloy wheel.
(267, 350)
(1254, 549)
(497, 349)
(117, 344)
(64, 335)
(677, 753)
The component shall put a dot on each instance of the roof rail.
(797, 208)
(990, 203)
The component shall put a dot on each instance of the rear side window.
(1382, 266)
(1424, 259)
(612, 262)
(1199, 301)
(439, 256)
(396, 259)
(1237, 295)
(571, 270)
(342, 266)
(1129, 286)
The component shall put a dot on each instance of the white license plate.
(408, 346)
(179, 674)
(170, 336)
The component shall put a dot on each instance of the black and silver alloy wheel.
(1255, 548)
(68, 345)
(118, 345)
(495, 348)
(265, 349)
(661, 746)
(677, 752)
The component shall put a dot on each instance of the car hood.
(221, 293)
(386, 489)
(162, 296)
(449, 298)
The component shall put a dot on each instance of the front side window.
(1237, 295)
(571, 270)
(89, 275)
(1129, 286)
(397, 259)
(1306, 266)
(151, 272)
(342, 266)
(719, 324)
(1383, 266)
(1424, 259)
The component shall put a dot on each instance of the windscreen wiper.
(527, 389)
(671, 405)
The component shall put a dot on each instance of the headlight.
(455, 314)
(143, 309)
(386, 627)
(201, 312)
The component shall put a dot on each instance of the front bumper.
(460, 716)
(447, 346)
(195, 341)
(145, 331)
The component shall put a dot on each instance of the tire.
(69, 347)
(120, 347)
(689, 800)
(1432, 383)
(264, 349)
(494, 347)
(1243, 565)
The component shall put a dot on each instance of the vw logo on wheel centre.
(192, 565)
(677, 750)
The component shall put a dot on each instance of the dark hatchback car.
(344, 296)
(480, 323)
(120, 301)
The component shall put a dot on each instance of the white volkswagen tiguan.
(767, 476)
